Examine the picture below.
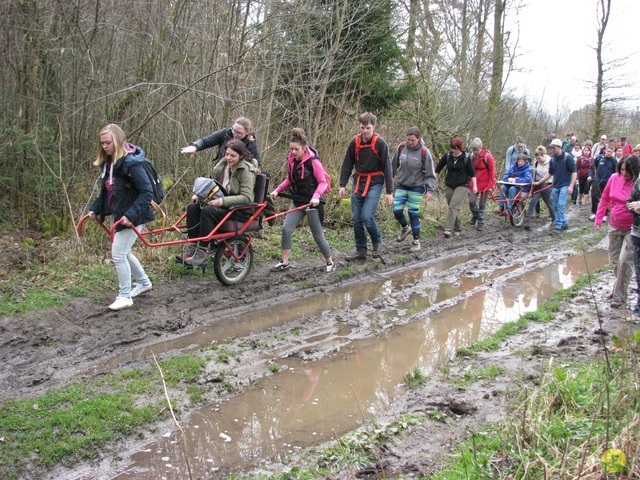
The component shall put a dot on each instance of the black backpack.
(154, 179)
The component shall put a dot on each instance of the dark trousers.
(596, 194)
(201, 221)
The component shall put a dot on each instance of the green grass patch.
(562, 426)
(413, 378)
(492, 343)
(68, 424)
(488, 372)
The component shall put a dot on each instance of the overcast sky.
(556, 50)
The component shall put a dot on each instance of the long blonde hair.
(119, 139)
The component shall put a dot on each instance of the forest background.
(170, 72)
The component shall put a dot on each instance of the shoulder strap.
(359, 146)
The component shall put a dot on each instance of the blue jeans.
(510, 192)
(559, 197)
(126, 262)
(412, 198)
(363, 211)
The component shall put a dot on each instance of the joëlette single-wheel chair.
(519, 202)
(231, 241)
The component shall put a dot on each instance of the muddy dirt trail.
(327, 314)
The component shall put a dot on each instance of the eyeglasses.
(238, 132)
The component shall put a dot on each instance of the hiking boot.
(331, 267)
(564, 227)
(356, 257)
(199, 259)
(190, 251)
(447, 234)
(415, 246)
(480, 227)
(404, 233)
(377, 250)
(279, 267)
(457, 233)
(139, 289)
(121, 303)
(473, 220)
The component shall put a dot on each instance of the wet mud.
(318, 327)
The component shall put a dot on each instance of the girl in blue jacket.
(126, 194)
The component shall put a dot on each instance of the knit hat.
(556, 142)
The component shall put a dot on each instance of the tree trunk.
(604, 9)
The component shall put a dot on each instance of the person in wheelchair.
(518, 174)
(236, 172)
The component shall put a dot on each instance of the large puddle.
(307, 403)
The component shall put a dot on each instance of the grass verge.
(74, 423)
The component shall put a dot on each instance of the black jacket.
(219, 138)
(459, 169)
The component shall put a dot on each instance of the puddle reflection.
(313, 402)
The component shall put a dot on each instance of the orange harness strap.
(368, 182)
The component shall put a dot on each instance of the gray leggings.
(292, 220)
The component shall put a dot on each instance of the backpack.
(327, 178)
(372, 146)
(423, 153)
(154, 179)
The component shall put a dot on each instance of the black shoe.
(473, 220)
(356, 257)
(564, 227)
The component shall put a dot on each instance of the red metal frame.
(179, 226)
(495, 193)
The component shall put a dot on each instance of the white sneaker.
(121, 303)
(139, 289)
(604, 219)
(330, 267)
(592, 216)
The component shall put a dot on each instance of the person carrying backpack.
(307, 183)
(485, 166)
(460, 178)
(413, 166)
(368, 155)
(126, 195)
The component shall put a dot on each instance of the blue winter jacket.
(132, 190)
(521, 174)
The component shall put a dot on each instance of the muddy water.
(312, 402)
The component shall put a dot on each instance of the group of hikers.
(554, 175)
